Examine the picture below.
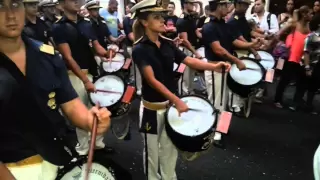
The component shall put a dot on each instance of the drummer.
(186, 28)
(48, 8)
(239, 22)
(34, 86)
(35, 27)
(99, 25)
(76, 41)
(154, 55)
(219, 41)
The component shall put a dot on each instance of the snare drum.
(115, 64)
(110, 91)
(102, 168)
(194, 130)
(267, 60)
(244, 82)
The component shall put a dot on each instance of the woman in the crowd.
(284, 17)
(292, 68)
(311, 61)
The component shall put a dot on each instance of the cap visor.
(94, 7)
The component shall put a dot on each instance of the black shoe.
(108, 150)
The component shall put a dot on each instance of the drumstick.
(192, 109)
(222, 83)
(92, 144)
(106, 91)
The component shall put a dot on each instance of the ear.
(144, 23)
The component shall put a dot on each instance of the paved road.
(273, 144)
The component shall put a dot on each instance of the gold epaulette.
(137, 41)
(181, 16)
(58, 18)
(86, 19)
(236, 17)
(47, 49)
(207, 20)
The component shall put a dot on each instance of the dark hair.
(302, 11)
(207, 8)
(130, 4)
(213, 6)
(315, 22)
(263, 1)
(172, 3)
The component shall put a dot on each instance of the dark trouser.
(291, 71)
(314, 84)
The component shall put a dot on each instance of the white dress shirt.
(263, 23)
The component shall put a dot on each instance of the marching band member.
(35, 27)
(99, 24)
(219, 41)
(154, 55)
(186, 28)
(47, 7)
(34, 85)
(75, 40)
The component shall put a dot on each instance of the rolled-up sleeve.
(65, 92)
(140, 57)
(59, 34)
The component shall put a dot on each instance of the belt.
(85, 71)
(37, 159)
(155, 106)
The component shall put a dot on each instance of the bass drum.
(110, 90)
(194, 130)
(267, 60)
(102, 168)
(244, 82)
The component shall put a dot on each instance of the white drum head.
(115, 65)
(175, 66)
(110, 89)
(201, 51)
(114, 47)
(267, 61)
(249, 76)
(192, 123)
(97, 172)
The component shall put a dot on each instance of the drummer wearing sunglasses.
(34, 86)
(155, 56)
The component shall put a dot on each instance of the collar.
(145, 39)
(214, 19)
(29, 22)
(65, 19)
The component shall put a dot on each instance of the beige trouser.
(316, 164)
(161, 151)
(137, 74)
(83, 136)
(188, 78)
(226, 99)
(38, 171)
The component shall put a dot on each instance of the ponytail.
(138, 30)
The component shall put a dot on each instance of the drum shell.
(191, 143)
(243, 90)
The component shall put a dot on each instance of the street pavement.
(272, 144)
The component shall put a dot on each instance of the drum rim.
(274, 61)
(98, 158)
(124, 89)
(246, 86)
(124, 62)
(198, 96)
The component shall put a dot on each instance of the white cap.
(92, 4)
(46, 3)
(147, 6)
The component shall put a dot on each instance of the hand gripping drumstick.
(92, 144)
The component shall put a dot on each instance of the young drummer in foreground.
(154, 55)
